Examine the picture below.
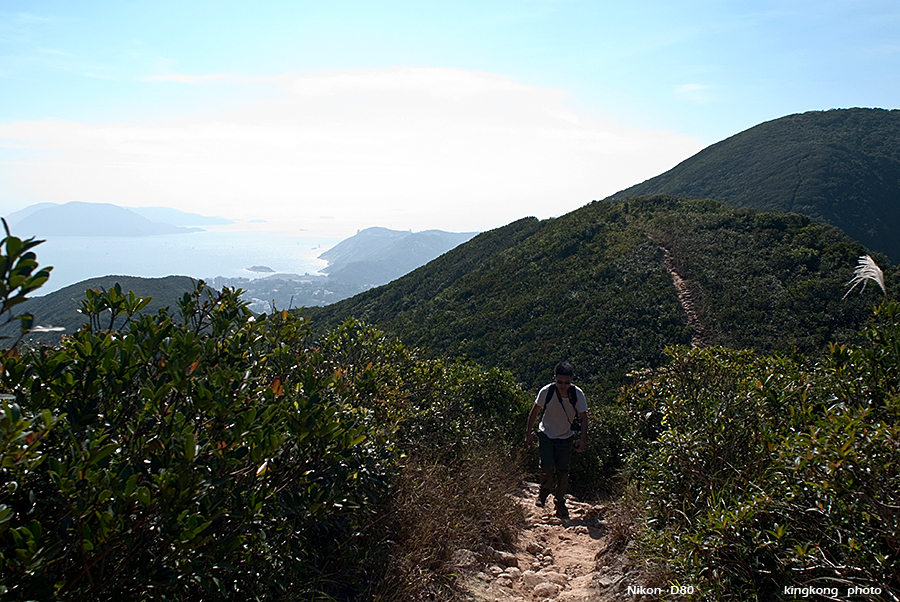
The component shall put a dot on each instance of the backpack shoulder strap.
(550, 393)
(573, 397)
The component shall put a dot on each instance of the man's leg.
(562, 455)
(546, 453)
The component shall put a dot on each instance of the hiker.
(563, 403)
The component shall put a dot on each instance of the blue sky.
(334, 116)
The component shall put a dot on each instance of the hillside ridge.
(840, 166)
(591, 287)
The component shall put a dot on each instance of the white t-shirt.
(557, 420)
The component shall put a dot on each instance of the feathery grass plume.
(866, 269)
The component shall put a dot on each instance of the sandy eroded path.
(579, 559)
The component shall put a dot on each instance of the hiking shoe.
(561, 510)
(540, 501)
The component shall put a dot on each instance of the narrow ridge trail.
(686, 299)
(579, 559)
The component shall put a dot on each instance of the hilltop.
(839, 166)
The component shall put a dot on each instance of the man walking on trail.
(561, 402)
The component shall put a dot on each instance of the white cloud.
(694, 92)
(407, 148)
(203, 79)
(455, 84)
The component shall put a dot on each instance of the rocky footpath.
(579, 559)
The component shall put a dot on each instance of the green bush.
(595, 473)
(762, 473)
(19, 276)
(187, 456)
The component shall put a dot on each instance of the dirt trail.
(578, 559)
(686, 299)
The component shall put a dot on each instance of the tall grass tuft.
(439, 509)
(866, 269)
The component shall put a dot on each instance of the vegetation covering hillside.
(773, 478)
(592, 286)
(840, 166)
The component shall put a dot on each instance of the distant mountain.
(87, 219)
(180, 218)
(376, 256)
(840, 166)
(60, 308)
(386, 254)
(594, 287)
(360, 246)
(16, 216)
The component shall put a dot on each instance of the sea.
(201, 255)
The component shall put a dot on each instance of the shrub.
(188, 456)
(761, 473)
(593, 474)
(19, 276)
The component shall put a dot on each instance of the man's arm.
(582, 444)
(532, 417)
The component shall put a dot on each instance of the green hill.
(840, 166)
(592, 286)
(60, 308)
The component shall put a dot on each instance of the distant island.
(77, 218)
(376, 256)
(372, 257)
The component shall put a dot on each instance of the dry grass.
(439, 509)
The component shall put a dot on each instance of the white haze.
(407, 148)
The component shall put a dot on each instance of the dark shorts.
(555, 453)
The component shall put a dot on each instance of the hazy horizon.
(200, 255)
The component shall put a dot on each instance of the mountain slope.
(839, 166)
(592, 286)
